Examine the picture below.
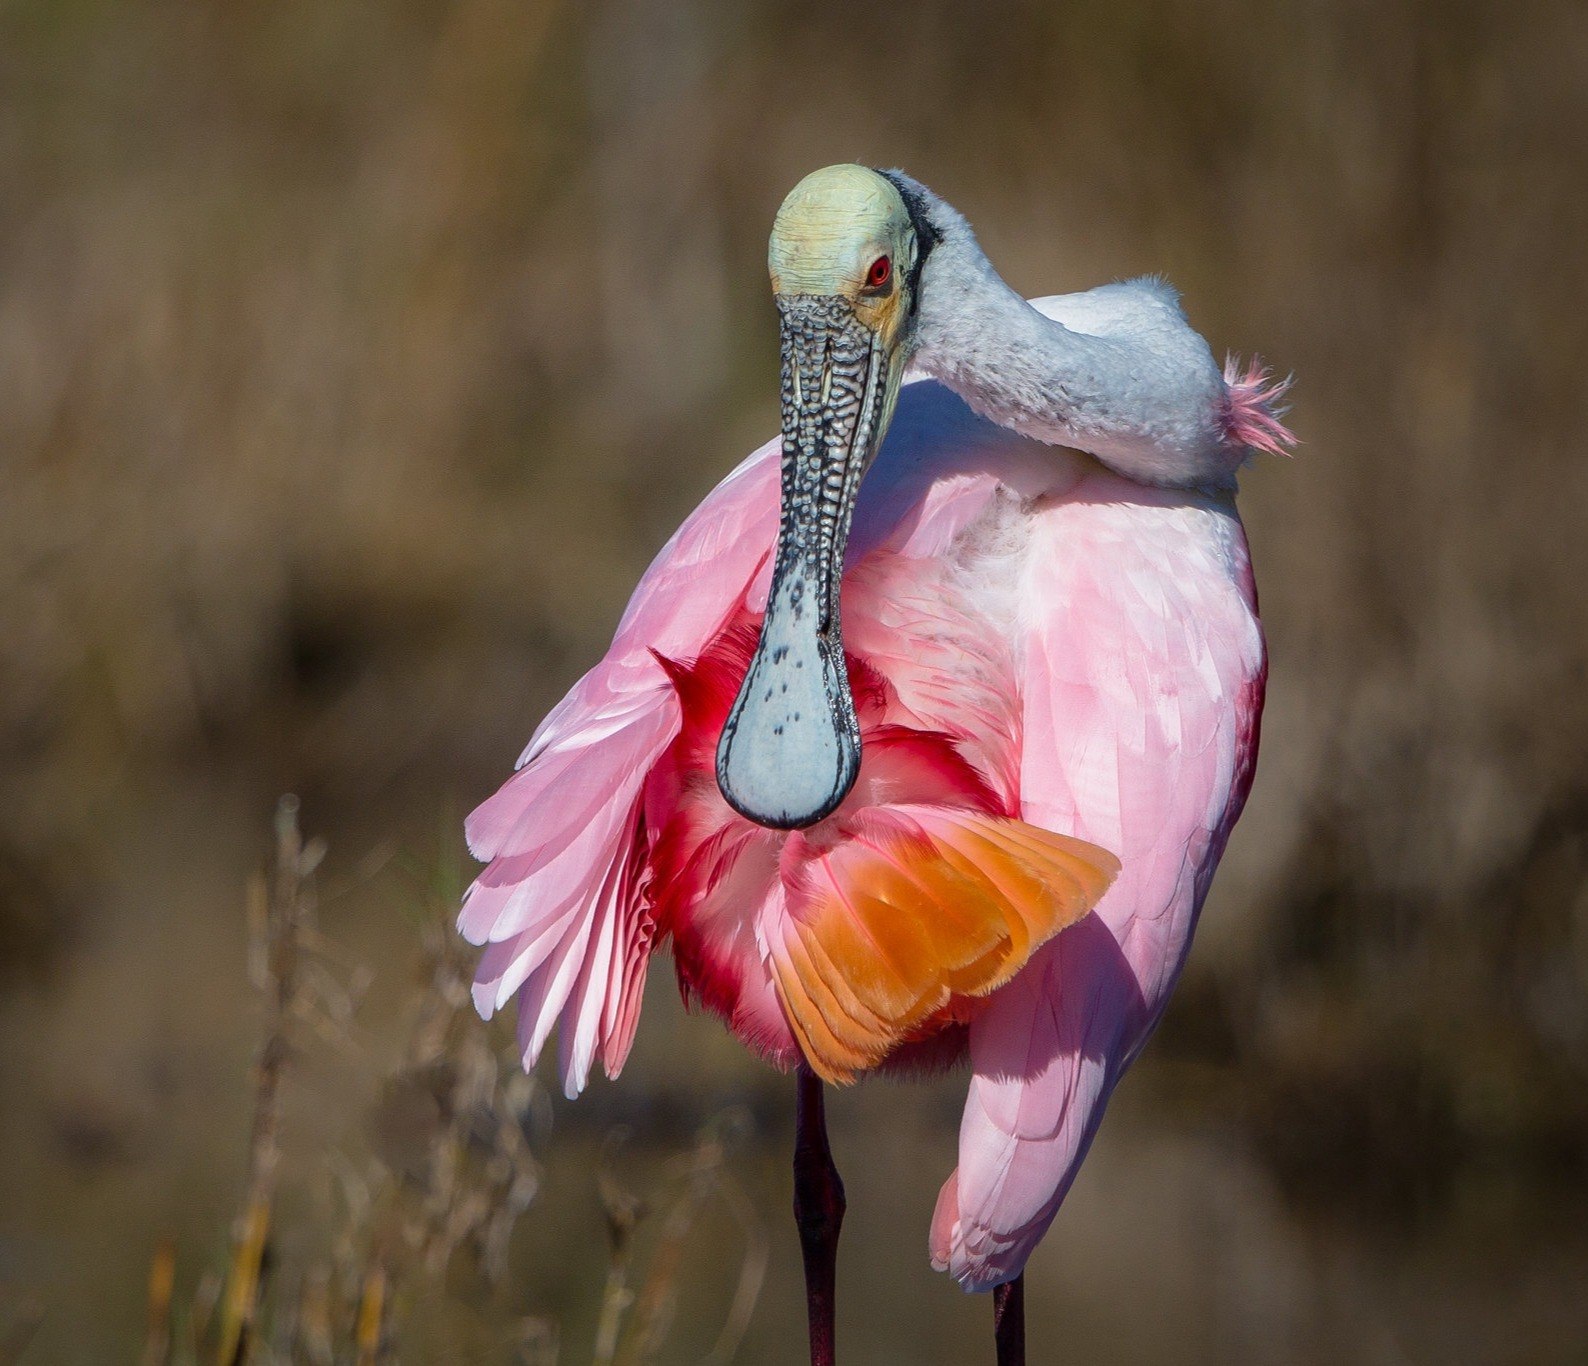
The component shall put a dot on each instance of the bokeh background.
(355, 357)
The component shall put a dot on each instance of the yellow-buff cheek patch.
(917, 906)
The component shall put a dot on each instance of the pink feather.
(1253, 416)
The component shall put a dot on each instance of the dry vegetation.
(419, 1215)
(355, 357)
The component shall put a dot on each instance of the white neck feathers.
(1122, 376)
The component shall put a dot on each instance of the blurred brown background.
(356, 357)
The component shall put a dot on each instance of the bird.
(919, 743)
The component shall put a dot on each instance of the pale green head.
(844, 232)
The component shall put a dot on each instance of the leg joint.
(819, 1201)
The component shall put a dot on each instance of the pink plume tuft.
(1252, 417)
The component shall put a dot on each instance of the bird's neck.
(1138, 388)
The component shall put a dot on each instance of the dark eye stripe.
(926, 234)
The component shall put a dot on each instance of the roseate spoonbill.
(981, 818)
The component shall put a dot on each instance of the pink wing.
(558, 907)
(1141, 690)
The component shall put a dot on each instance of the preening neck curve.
(1129, 382)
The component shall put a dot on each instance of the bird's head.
(845, 258)
(844, 233)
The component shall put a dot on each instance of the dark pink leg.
(1009, 1322)
(819, 1213)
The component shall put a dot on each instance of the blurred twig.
(162, 1281)
(752, 1275)
(632, 1339)
(278, 916)
(624, 1210)
(537, 1342)
(371, 1325)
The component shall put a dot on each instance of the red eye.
(878, 275)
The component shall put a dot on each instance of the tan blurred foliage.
(355, 357)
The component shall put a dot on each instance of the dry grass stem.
(162, 1284)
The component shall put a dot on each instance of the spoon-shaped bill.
(790, 751)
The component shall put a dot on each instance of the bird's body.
(1049, 659)
(1093, 648)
